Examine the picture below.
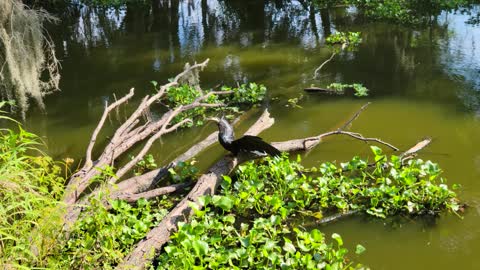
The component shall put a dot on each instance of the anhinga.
(251, 146)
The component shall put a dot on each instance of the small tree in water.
(29, 68)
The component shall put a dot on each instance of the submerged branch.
(336, 217)
(315, 73)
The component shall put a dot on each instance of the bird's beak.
(215, 119)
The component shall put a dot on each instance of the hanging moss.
(29, 68)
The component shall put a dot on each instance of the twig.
(152, 193)
(88, 159)
(323, 64)
(354, 117)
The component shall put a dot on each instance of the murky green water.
(424, 82)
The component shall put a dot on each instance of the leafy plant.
(102, 237)
(184, 171)
(145, 164)
(220, 240)
(244, 95)
(359, 89)
(279, 186)
(293, 102)
(349, 40)
(406, 11)
(249, 225)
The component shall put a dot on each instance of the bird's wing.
(255, 145)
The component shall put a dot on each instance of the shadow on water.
(423, 82)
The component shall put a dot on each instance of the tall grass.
(30, 190)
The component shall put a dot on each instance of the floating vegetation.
(251, 223)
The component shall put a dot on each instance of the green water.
(424, 83)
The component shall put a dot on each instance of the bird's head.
(222, 122)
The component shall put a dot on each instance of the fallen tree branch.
(306, 144)
(108, 109)
(143, 182)
(414, 149)
(131, 198)
(126, 136)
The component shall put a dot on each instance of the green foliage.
(223, 241)
(184, 171)
(249, 225)
(113, 3)
(359, 89)
(251, 93)
(278, 186)
(244, 95)
(30, 188)
(293, 102)
(145, 164)
(406, 11)
(101, 237)
(350, 40)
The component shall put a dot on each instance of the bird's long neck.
(225, 134)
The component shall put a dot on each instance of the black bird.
(252, 146)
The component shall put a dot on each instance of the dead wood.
(314, 89)
(315, 73)
(306, 144)
(128, 134)
(336, 217)
(135, 187)
(131, 198)
(414, 149)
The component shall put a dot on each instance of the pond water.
(423, 83)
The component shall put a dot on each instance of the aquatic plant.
(102, 237)
(253, 222)
(359, 89)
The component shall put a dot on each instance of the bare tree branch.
(354, 117)
(315, 73)
(108, 109)
(131, 198)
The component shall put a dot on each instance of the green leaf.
(376, 150)
(223, 202)
(338, 238)
(360, 249)
(289, 247)
(200, 247)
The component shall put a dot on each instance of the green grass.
(31, 186)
